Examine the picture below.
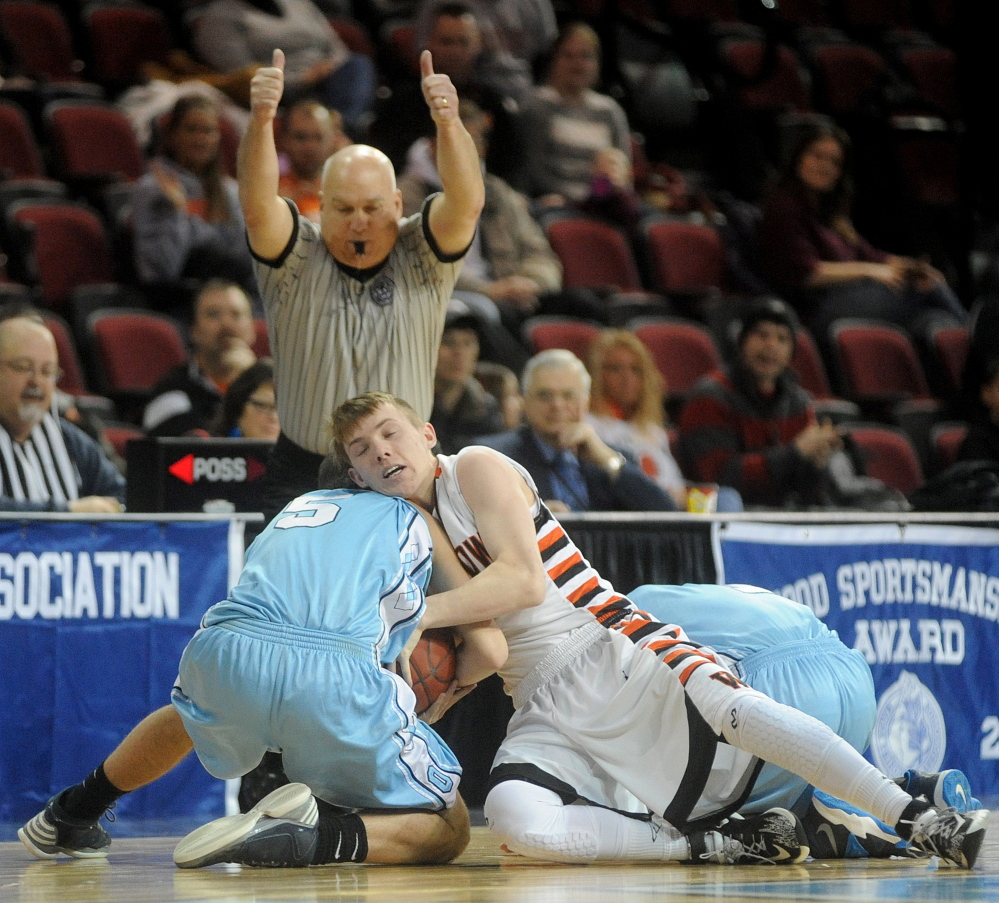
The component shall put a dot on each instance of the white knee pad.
(532, 821)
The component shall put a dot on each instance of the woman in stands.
(248, 408)
(814, 256)
(627, 409)
(186, 216)
(627, 399)
(566, 124)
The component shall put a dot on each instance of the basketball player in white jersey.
(612, 708)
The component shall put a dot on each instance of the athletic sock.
(88, 800)
(908, 818)
(342, 838)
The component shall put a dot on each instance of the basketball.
(432, 666)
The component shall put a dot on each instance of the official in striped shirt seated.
(46, 463)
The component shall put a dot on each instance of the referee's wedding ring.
(443, 101)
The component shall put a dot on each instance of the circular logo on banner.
(909, 731)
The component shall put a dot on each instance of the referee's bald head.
(361, 206)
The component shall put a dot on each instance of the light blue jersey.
(319, 564)
(292, 660)
(780, 648)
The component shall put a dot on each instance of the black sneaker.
(776, 837)
(941, 789)
(279, 832)
(953, 836)
(52, 832)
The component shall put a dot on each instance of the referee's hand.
(439, 93)
(267, 86)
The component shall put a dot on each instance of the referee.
(358, 302)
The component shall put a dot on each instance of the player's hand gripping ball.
(432, 666)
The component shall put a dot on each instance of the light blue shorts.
(782, 650)
(345, 726)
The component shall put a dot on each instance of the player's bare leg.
(70, 822)
(287, 829)
(418, 837)
(151, 749)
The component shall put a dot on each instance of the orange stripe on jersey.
(581, 591)
(686, 672)
(551, 538)
(634, 625)
(562, 567)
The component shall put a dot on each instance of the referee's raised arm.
(454, 215)
(268, 218)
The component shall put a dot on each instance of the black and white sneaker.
(279, 832)
(776, 837)
(52, 832)
(953, 836)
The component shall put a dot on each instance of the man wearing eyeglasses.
(46, 463)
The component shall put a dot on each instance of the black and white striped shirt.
(40, 468)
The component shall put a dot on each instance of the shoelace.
(733, 851)
(946, 826)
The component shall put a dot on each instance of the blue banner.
(921, 602)
(93, 620)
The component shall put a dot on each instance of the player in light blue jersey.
(782, 649)
(299, 659)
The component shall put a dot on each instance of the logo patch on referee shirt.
(383, 291)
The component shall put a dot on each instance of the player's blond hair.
(345, 419)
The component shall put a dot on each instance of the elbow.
(533, 587)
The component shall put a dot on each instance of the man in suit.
(574, 469)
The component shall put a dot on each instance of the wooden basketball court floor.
(141, 870)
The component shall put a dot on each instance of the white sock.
(808, 748)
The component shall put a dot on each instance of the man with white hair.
(46, 463)
(574, 469)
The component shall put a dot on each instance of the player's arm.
(482, 652)
(454, 214)
(269, 223)
(515, 579)
(482, 648)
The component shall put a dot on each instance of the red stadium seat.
(94, 141)
(543, 333)
(888, 456)
(117, 335)
(593, 255)
(65, 245)
(684, 351)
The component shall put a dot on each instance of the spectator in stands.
(627, 409)
(46, 463)
(523, 29)
(463, 411)
(813, 255)
(186, 216)
(480, 72)
(510, 271)
(311, 134)
(187, 399)
(573, 468)
(232, 34)
(982, 441)
(248, 409)
(565, 123)
(501, 382)
(752, 426)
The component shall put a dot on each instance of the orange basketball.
(432, 666)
